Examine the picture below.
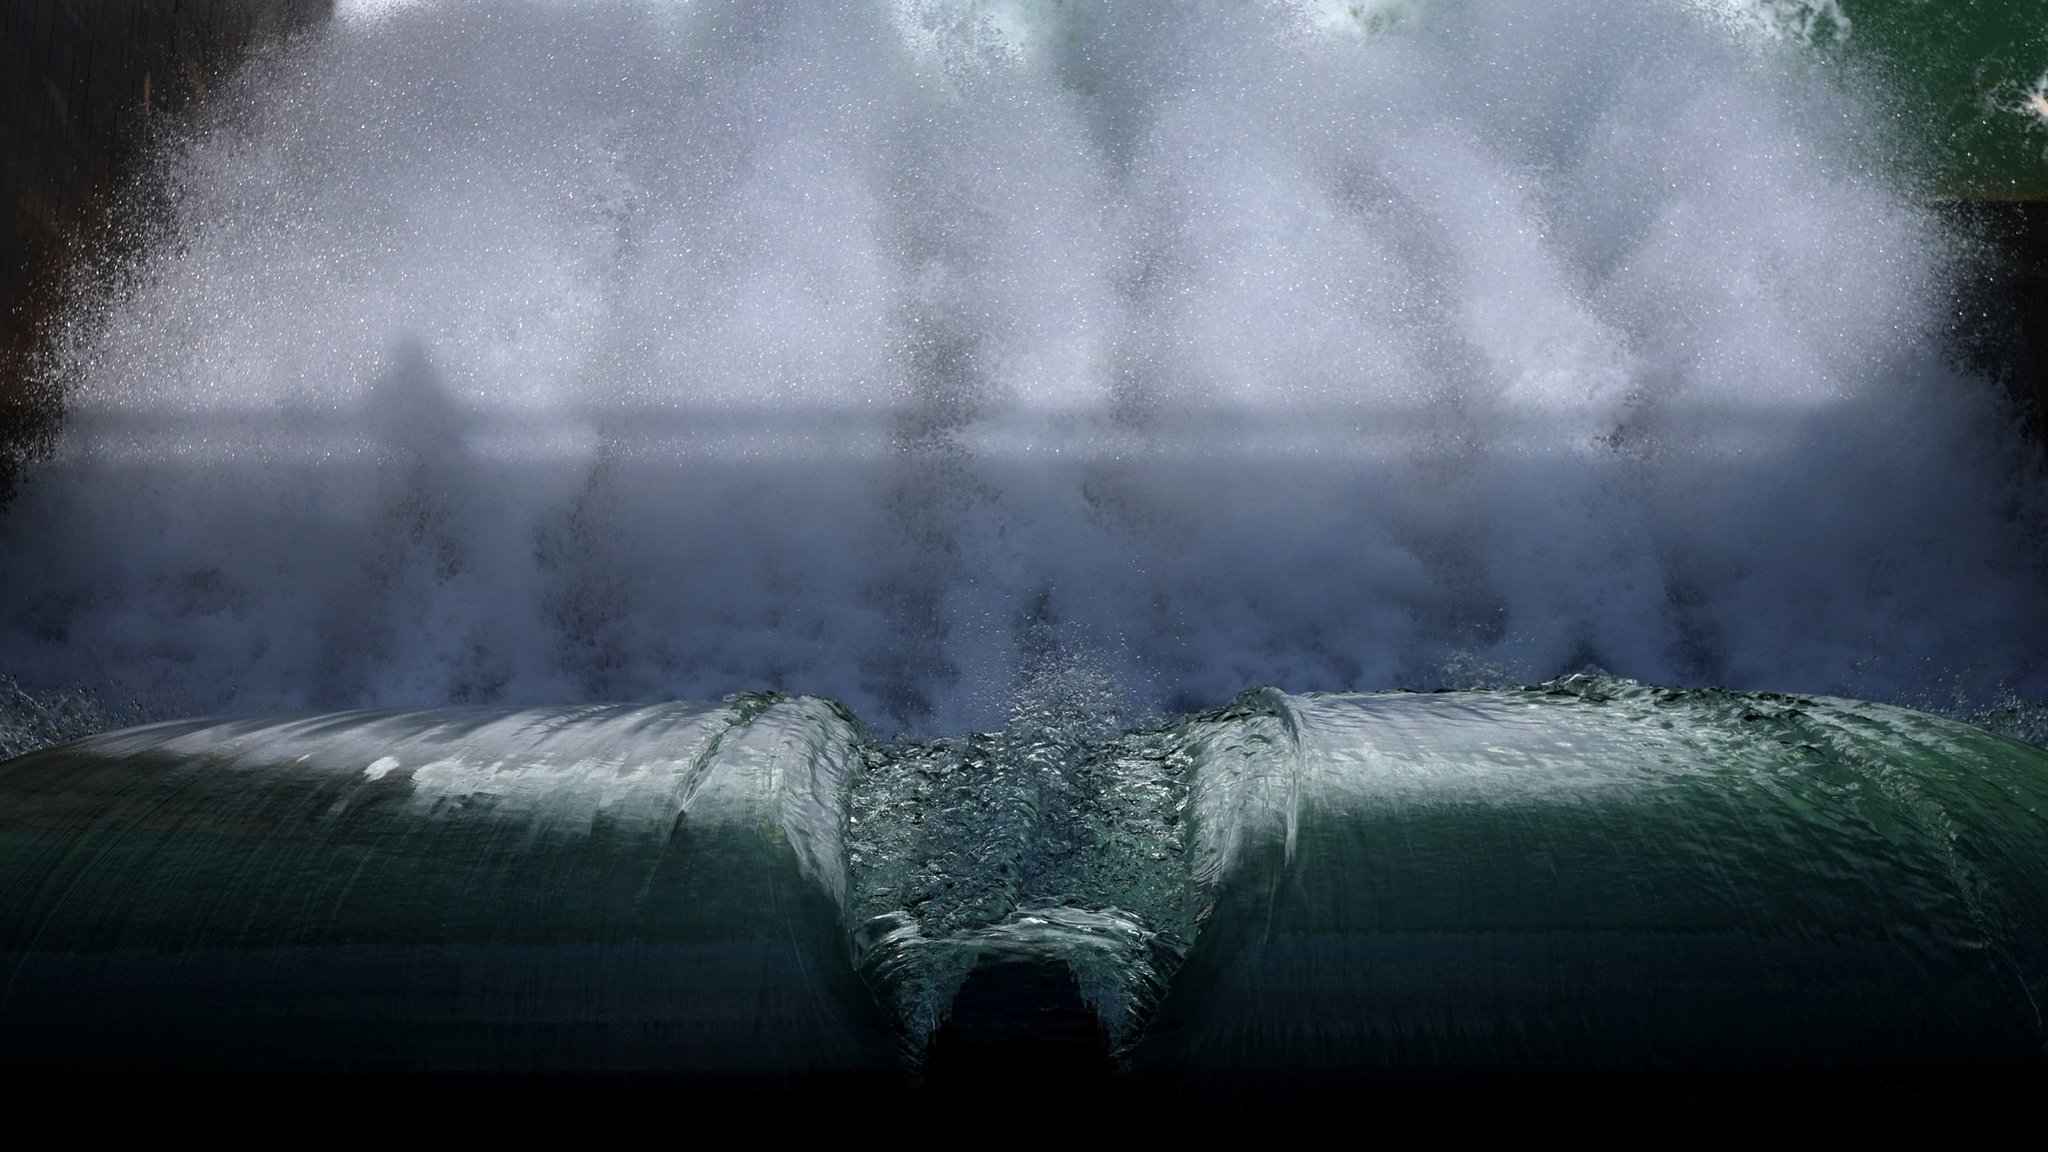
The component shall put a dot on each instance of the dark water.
(1043, 373)
(1588, 887)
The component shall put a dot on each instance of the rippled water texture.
(1590, 876)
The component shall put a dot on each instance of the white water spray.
(534, 351)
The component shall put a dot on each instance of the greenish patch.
(1972, 77)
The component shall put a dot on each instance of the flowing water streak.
(1057, 840)
(524, 351)
(1587, 874)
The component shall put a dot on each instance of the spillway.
(1313, 896)
(719, 545)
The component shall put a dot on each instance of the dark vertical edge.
(74, 140)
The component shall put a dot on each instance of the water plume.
(523, 351)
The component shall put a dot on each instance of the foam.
(520, 352)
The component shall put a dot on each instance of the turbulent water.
(521, 352)
(1042, 372)
(1589, 874)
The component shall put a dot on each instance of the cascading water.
(1578, 882)
(1031, 370)
(535, 351)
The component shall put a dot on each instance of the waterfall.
(526, 352)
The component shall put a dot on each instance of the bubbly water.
(521, 351)
(1589, 874)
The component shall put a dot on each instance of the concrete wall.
(84, 85)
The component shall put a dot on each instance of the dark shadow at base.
(1072, 1105)
(1018, 1026)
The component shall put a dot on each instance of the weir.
(955, 404)
(1287, 902)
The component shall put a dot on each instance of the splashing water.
(1809, 22)
(525, 351)
(1589, 874)
(33, 720)
(1056, 838)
